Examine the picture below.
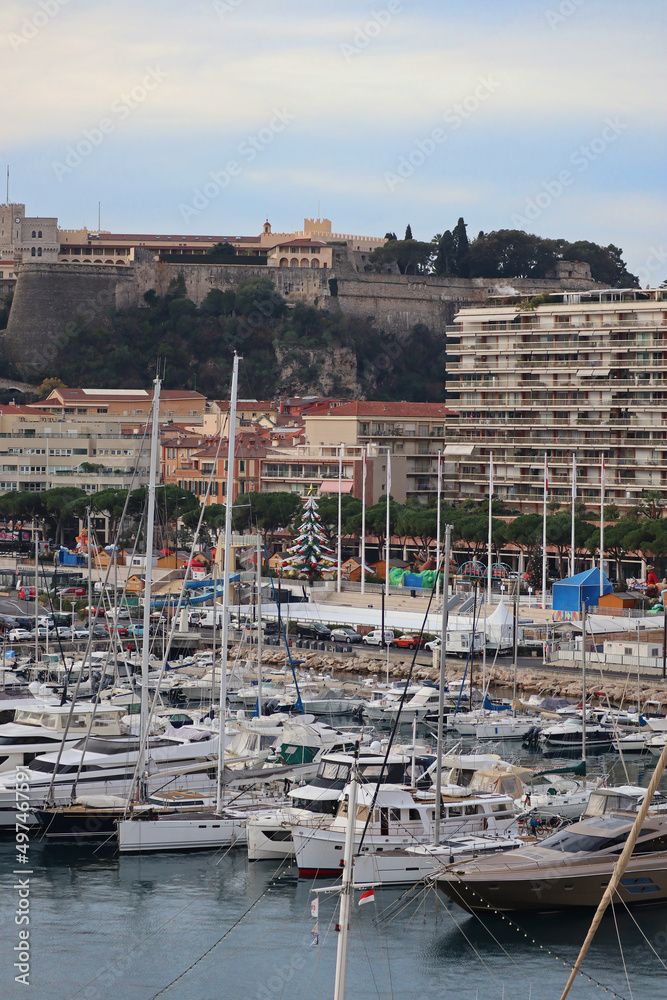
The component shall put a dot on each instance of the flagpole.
(437, 543)
(544, 535)
(386, 572)
(363, 522)
(574, 500)
(602, 485)
(490, 542)
(339, 570)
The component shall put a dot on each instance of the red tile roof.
(362, 408)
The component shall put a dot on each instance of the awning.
(592, 372)
(331, 486)
(459, 449)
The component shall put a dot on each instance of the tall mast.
(226, 575)
(347, 887)
(490, 540)
(437, 530)
(150, 528)
(363, 523)
(574, 500)
(259, 623)
(602, 490)
(544, 534)
(441, 690)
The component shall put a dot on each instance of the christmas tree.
(309, 554)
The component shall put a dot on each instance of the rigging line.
(87, 654)
(620, 946)
(471, 945)
(529, 936)
(152, 935)
(634, 920)
(368, 959)
(400, 707)
(208, 951)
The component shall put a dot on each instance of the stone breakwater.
(547, 683)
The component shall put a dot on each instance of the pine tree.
(460, 236)
(408, 232)
(310, 554)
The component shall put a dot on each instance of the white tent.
(499, 624)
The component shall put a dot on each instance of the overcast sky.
(547, 116)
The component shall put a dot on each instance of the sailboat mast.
(347, 887)
(226, 574)
(443, 680)
(150, 527)
(259, 623)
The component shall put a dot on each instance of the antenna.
(7, 185)
(99, 217)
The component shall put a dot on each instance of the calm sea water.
(109, 928)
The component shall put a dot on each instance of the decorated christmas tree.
(310, 555)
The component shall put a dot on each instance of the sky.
(209, 116)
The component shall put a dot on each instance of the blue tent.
(582, 589)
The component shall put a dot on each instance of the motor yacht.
(40, 728)
(570, 869)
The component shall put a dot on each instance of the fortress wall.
(50, 299)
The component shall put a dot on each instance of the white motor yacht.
(40, 728)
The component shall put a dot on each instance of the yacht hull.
(546, 889)
(178, 832)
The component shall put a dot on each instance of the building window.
(242, 465)
(39, 251)
(33, 252)
(39, 235)
(34, 234)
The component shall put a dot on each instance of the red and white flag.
(367, 897)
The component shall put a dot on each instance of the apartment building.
(583, 374)
(39, 452)
(190, 461)
(305, 468)
(413, 432)
(128, 405)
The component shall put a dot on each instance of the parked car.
(63, 632)
(27, 594)
(19, 634)
(110, 628)
(26, 623)
(374, 638)
(99, 632)
(271, 628)
(345, 633)
(71, 592)
(407, 641)
(312, 630)
(79, 632)
(433, 644)
(195, 617)
(118, 613)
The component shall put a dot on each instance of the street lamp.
(530, 596)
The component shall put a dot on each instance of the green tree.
(408, 232)
(461, 248)
(222, 251)
(409, 256)
(607, 264)
(511, 253)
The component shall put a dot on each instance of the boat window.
(499, 807)
(414, 814)
(455, 811)
(332, 771)
(48, 767)
(573, 842)
(27, 740)
(372, 770)
(471, 810)
(395, 815)
(649, 846)
(326, 807)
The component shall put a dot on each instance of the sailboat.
(197, 827)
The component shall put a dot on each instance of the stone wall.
(51, 298)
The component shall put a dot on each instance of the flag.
(363, 466)
(388, 474)
(315, 908)
(367, 897)
(602, 477)
(491, 474)
(315, 934)
(574, 478)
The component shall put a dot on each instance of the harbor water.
(210, 925)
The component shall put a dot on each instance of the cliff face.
(329, 372)
(52, 300)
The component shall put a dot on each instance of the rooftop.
(362, 408)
